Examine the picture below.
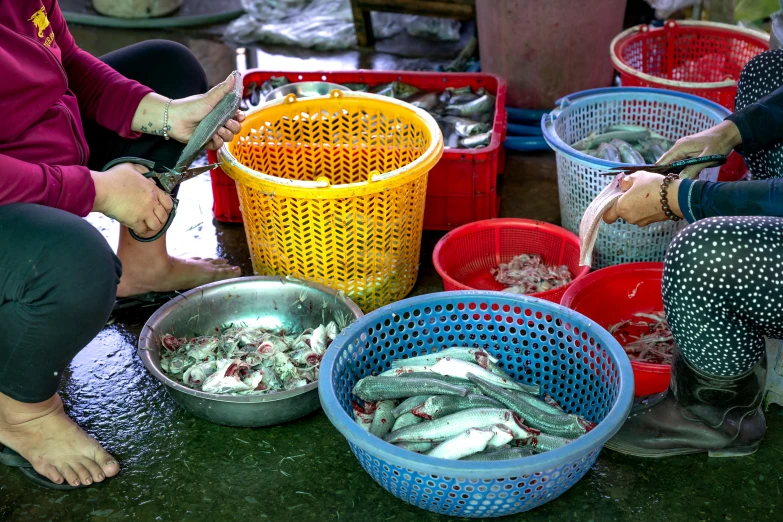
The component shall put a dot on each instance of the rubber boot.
(698, 413)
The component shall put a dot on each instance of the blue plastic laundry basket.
(574, 360)
(579, 176)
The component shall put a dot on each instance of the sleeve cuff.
(741, 120)
(78, 191)
(684, 200)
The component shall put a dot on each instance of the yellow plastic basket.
(332, 190)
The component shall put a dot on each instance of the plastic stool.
(774, 389)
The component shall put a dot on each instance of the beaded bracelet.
(166, 120)
(665, 200)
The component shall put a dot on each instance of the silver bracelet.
(166, 120)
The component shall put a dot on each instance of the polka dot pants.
(723, 276)
(762, 75)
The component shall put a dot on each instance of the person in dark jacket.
(66, 114)
(722, 279)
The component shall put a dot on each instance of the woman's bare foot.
(147, 267)
(56, 447)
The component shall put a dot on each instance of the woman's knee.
(698, 249)
(75, 263)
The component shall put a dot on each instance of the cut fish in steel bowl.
(269, 301)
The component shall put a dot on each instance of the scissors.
(670, 168)
(167, 180)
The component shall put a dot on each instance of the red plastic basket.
(701, 58)
(614, 294)
(461, 188)
(464, 256)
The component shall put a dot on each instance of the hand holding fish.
(641, 203)
(720, 139)
(187, 113)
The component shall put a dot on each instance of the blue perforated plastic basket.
(574, 360)
(580, 177)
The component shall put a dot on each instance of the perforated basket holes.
(474, 497)
(691, 55)
(578, 184)
(367, 246)
(530, 344)
(343, 145)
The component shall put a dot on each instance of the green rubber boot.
(699, 413)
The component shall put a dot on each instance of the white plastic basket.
(579, 176)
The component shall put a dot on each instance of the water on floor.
(179, 468)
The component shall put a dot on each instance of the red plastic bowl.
(464, 256)
(614, 294)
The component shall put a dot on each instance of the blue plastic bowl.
(576, 361)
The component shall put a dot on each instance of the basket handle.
(290, 98)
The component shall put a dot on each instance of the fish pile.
(649, 341)
(459, 404)
(528, 274)
(464, 116)
(246, 360)
(630, 144)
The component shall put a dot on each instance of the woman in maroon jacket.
(64, 115)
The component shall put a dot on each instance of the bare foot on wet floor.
(171, 274)
(56, 446)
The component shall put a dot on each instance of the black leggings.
(723, 276)
(58, 275)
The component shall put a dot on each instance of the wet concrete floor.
(179, 468)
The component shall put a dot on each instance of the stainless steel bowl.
(304, 90)
(264, 301)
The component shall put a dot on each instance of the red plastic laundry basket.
(465, 256)
(701, 58)
(615, 294)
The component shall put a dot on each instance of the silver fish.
(608, 152)
(363, 415)
(423, 100)
(480, 105)
(456, 368)
(446, 427)
(505, 454)
(503, 435)
(418, 447)
(476, 142)
(383, 420)
(408, 404)
(465, 444)
(455, 352)
(595, 139)
(466, 127)
(627, 153)
(377, 388)
(463, 98)
(405, 420)
(564, 425)
(493, 368)
(543, 442)
(439, 406)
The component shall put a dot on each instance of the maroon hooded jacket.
(47, 85)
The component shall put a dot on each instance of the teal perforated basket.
(574, 360)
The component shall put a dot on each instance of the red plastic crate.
(225, 201)
(461, 188)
